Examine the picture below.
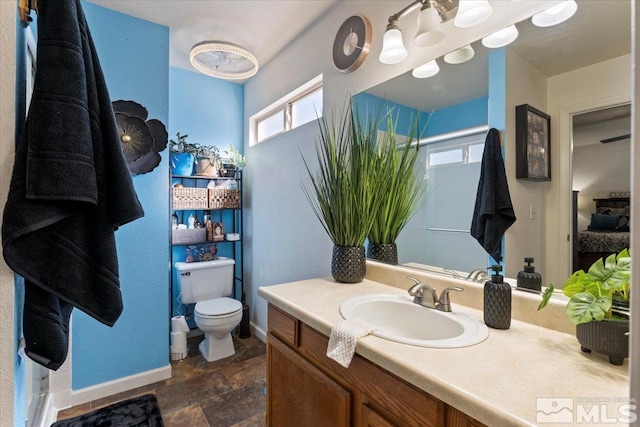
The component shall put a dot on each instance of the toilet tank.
(200, 281)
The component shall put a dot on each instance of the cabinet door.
(370, 418)
(456, 418)
(299, 394)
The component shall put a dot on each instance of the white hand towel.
(343, 339)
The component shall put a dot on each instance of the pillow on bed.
(613, 211)
(604, 222)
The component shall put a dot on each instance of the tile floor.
(225, 393)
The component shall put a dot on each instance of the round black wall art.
(142, 140)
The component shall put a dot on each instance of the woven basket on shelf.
(220, 198)
(189, 198)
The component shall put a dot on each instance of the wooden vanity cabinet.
(304, 387)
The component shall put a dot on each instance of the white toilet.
(208, 284)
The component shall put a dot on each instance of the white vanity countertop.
(497, 381)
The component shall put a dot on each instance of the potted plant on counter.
(598, 306)
(183, 155)
(402, 194)
(341, 190)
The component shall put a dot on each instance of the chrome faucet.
(425, 295)
(478, 275)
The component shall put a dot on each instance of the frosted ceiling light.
(393, 50)
(424, 71)
(428, 32)
(501, 38)
(556, 14)
(223, 60)
(472, 12)
(464, 54)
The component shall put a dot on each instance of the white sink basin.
(399, 319)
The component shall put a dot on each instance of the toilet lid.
(218, 307)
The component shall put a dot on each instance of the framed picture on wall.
(533, 139)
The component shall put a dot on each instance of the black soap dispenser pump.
(529, 279)
(497, 301)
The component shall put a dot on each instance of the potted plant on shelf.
(183, 155)
(207, 160)
(402, 194)
(231, 162)
(598, 306)
(342, 191)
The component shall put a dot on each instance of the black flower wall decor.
(142, 140)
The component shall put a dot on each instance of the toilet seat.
(218, 307)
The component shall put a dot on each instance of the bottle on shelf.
(174, 221)
(208, 225)
(191, 222)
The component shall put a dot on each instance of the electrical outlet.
(532, 212)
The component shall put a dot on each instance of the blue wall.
(211, 112)
(450, 119)
(135, 60)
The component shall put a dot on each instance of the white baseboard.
(260, 333)
(120, 385)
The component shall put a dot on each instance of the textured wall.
(135, 61)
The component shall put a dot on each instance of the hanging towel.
(344, 337)
(493, 213)
(70, 189)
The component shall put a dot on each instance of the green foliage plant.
(592, 293)
(403, 190)
(180, 145)
(233, 157)
(343, 191)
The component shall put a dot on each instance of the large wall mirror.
(459, 101)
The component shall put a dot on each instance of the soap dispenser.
(497, 301)
(529, 279)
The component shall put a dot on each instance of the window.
(462, 150)
(301, 106)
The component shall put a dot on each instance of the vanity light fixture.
(501, 38)
(459, 56)
(424, 71)
(223, 60)
(432, 13)
(555, 14)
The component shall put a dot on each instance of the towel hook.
(24, 9)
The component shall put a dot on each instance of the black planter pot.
(348, 264)
(227, 170)
(385, 252)
(607, 337)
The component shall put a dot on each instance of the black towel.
(493, 213)
(70, 189)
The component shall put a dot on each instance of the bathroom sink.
(399, 319)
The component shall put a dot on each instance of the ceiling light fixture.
(223, 60)
(555, 14)
(501, 38)
(424, 71)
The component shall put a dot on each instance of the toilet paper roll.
(178, 339)
(178, 353)
(179, 324)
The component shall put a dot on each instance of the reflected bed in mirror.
(459, 101)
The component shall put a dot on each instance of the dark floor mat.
(142, 411)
